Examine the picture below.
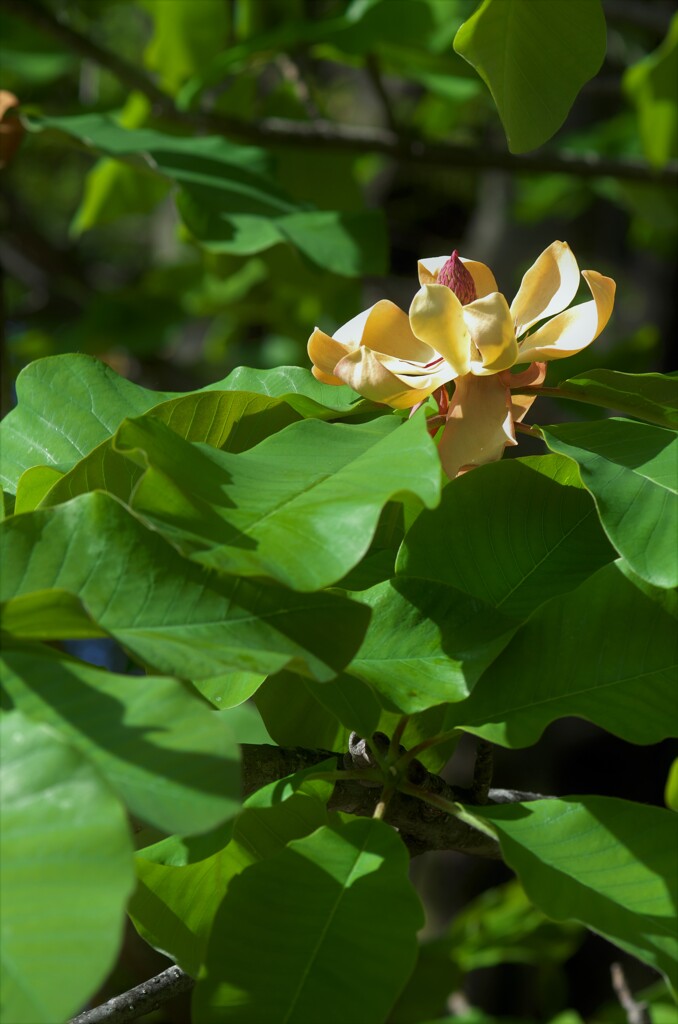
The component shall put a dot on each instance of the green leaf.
(228, 199)
(501, 926)
(173, 907)
(647, 396)
(53, 613)
(281, 509)
(606, 652)
(605, 862)
(426, 643)
(67, 873)
(68, 404)
(651, 86)
(534, 59)
(113, 190)
(33, 485)
(525, 531)
(169, 613)
(181, 43)
(171, 760)
(354, 941)
(630, 469)
(671, 790)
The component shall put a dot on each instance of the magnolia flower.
(459, 312)
(460, 328)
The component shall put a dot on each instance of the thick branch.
(346, 138)
(421, 826)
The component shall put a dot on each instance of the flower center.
(457, 278)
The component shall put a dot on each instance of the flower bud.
(456, 277)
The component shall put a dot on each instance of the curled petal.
(483, 278)
(385, 328)
(573, 330)
(479, 424)
(533, 377)
(547, 288)
(325, 353)
(365, 372)
(520, 406)
(436, 318)
(491, 328)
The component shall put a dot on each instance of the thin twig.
(636, 1013)
(140, 1000)
(344, 138)
(374, 73)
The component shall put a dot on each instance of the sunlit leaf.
(171, 760)
(300, 508)
(630, 469)
(354, 941)
(647, 396)
(427, 643)
(605, 862)
(524, 530)
(167, 612)
(607, 652)
(67, 872)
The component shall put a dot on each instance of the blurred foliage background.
(202, 182)
(346, 140)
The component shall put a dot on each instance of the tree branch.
(421, 826)
(344, 138)
(636, 1013)
(140, 1000)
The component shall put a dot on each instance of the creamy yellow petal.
(365, 373)
(547, 288)
(479, 424)
(429, 268)
(387, 329)
(326, 378)
(490, 325)
(350, 334)
(325, 352)
(483, 278)
(573, 330)
(436, 317)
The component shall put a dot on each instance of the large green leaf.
(605, 862)
(169, 613)
(427, 643)
(68, 404)
(647, 396)
(512, 534)
(607, 652)
(173, 906)
(354, 938)
(228, 198)
(170, 759)
(534, 58)
(66, 870)
(630, 469)
(300, 508)
(652, 87)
